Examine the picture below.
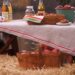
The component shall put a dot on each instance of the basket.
(69, 14)
(29, 60)
(52, 60)
(39, 60)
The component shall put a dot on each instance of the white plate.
(64, 24)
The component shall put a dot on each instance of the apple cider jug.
(7, 10)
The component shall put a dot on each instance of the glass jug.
(29, 10)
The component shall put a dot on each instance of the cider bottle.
(5, 9)
(41, 8)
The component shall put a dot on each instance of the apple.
(24, 52)
(59, 7)
(66, 7)
(32, 52)
(55, 50)
(46, 51)
(35, 52)
(50, 48)
(73, 8)
(43, 46)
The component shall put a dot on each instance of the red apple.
(59, 7)
(23, 52)
(43, 46)
(50, 48)
(66, 7)
(55, 50)
(33, 52)
(36, 51)
(73, 8)
(46, 51)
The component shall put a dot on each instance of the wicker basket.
(28, 60)
(52, 60)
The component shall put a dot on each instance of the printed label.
(5, 15)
